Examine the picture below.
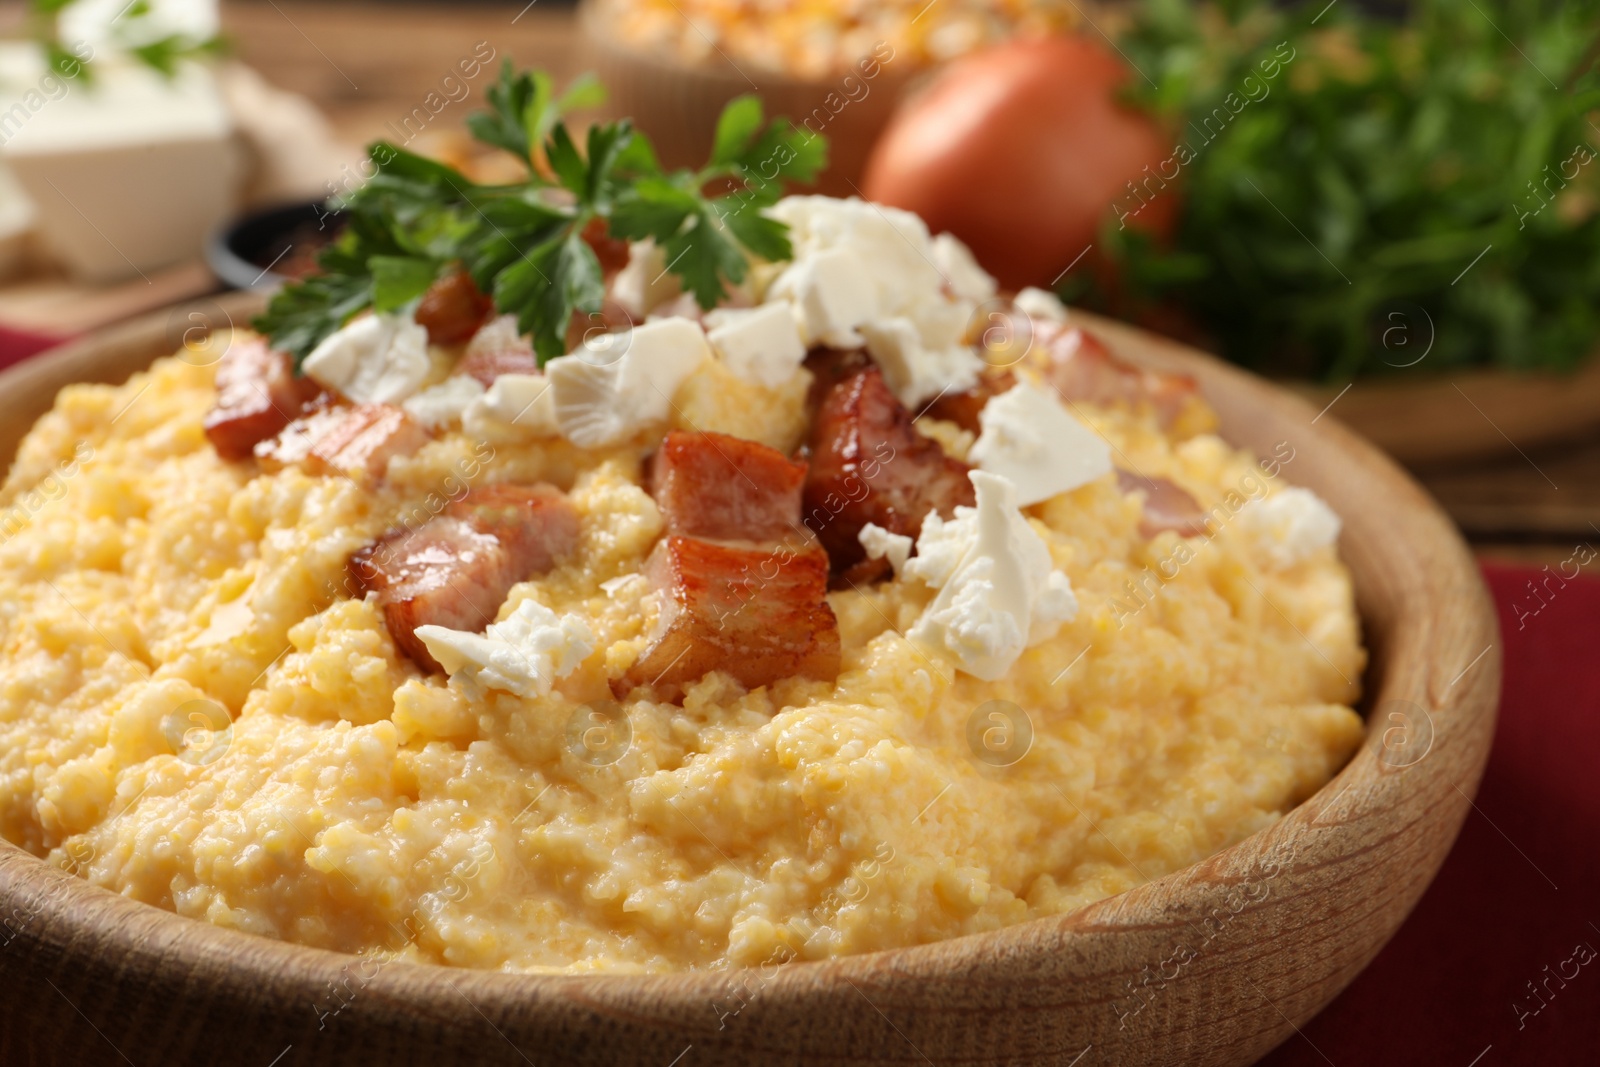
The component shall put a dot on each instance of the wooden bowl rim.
(134, 929)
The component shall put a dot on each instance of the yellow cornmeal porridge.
(356, 805)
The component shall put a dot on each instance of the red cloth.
(1521, 889)
(17, 345)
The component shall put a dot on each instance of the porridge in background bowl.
(820, 623)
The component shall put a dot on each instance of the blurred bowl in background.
(264, 249)
(677, 101)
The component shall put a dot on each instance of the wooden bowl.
(677, 102)
(1212, 965)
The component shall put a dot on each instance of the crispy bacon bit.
(611, 318)
(456, 569)
(829, 367)
(257, 396)
(1166, 506)
(1081, 368)
(726, 488)
(964, 408)
(357, 441)
(611, 252)
(756, 611)
(453, 308)
(870, 464)
(499, 348)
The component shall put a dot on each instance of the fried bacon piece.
(743, 584)
(453, 308)
(335, 438)
(757, 611)
(726, 488)
(1081, 368)
(611, 318)
(1166, 506)
(257, 396)
(963, 408)
(499, 348)
(610, 251)
(869, 463)
(457, 567)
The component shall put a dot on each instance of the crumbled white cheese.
(644, 283)
(1030, 438)
(522, 405)
(499, 336)
(1289, 527)
(832, 294)
(961, 272)
(524, 655)
(865, 273)
(377, 359)
(998, 591)
(616, 385)
(881, 544)
(914, 372)
(1040, 304)
(445, 403)
(761, 345)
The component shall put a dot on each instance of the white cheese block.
(1031, 439)
(917, 374)
(644, 283)
(108, 24)
(1289, 527)
(524, 655)
(518, 405)
(832, 294)
(960, 270)
(611, 389)
(446, 403)
(998, 591)
(890, 246)
(376, 359)
(127, 175)
(760, 345)
(881, 544)
(1040, 304)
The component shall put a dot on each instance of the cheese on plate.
(1031, 439)
(524, 655)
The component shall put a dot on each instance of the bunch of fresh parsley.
(1442, 173)
(415, 219)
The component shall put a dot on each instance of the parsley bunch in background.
(523, 244)
(1449, 163)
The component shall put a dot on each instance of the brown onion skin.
(1020, 151)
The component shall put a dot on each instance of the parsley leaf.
(525, 243)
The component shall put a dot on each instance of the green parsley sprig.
(1357, 182)
(523, 243)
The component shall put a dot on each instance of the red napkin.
(17, 345)
(1500, 962)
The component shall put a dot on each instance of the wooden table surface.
(368, 65)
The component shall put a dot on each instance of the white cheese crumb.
(524, 655)
(915, 373)
(1040, 304)
(998, 592)
(760, 345)
(619, 383)
(377, 359)
(519, 404)
(832, 294)
(961, 271)
(498, 336)
(1030, 437)
(881, 544)
(445, 403)
(644, 283)
(1289, 527)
